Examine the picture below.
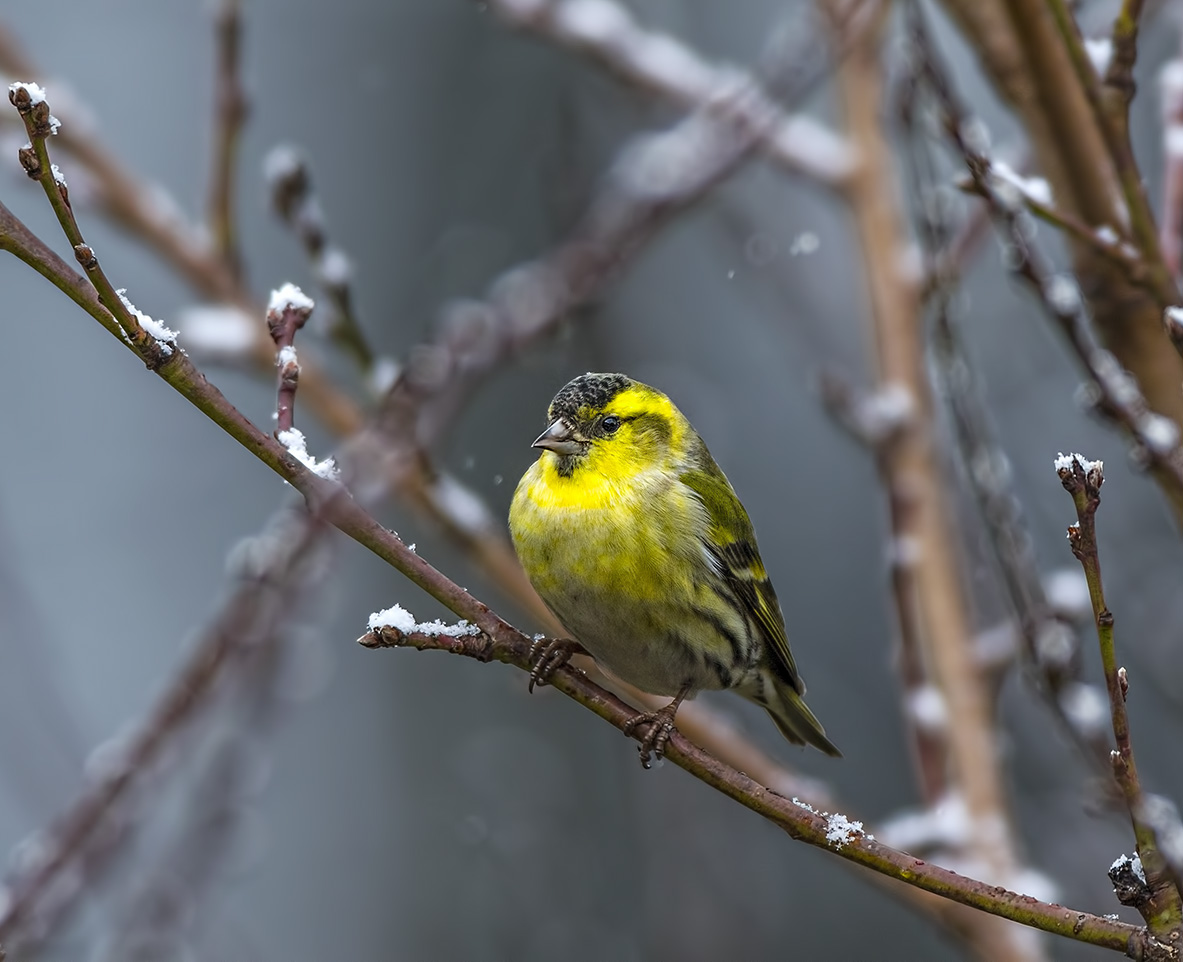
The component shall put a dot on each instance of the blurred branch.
(960, 756)
(1171, 233)
(1112, 119)
(1116, 392)
(1119, 76)
(1049, 644)
(657, 63)
(230, 110)
(830, 831)
(188, 693)
(296, 203)
(1162, 909)
(1033, 71)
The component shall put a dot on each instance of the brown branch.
(1115, 391)
(830, 831)
(1162, 908)
(937, 661)
(230, 111)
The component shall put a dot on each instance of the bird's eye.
(610, 424)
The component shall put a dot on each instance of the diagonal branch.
(830, 831)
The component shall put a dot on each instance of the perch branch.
(830, 831)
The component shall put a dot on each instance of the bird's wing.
(731, 541)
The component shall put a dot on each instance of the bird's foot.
(661, 727)
(547, 655)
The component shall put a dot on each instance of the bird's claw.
(653, 742)
(547, 655)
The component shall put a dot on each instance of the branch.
(296, 203)
(1162, 908)
(830, 831)
(230, 111)
(605, 31)
(187, 695)
(1115, 391)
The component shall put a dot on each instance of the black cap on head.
(588, 390)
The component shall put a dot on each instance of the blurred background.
(403, 805)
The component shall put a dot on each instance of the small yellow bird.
(636, 541)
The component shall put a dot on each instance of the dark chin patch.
(592, 391)
(567, 464)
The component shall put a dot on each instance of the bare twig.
(293, 198)
(286, 314)
(1112, 119)
(1116, 394)
(230, 110)
(1162, 909)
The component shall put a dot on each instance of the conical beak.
(558, 438)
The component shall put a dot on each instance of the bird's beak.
(559, 438)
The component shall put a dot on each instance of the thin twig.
(230, 111)
(288, 311)
(1116, 393)
(658, 63)
(1162, 909)
(1112, 122)
(294, 199)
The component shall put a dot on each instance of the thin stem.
(1163, 910)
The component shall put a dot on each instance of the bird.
(635, 540)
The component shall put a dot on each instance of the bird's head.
(610, 424)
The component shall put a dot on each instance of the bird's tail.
(793, 717)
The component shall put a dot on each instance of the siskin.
(636, 541)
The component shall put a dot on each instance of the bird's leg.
(661, 726)
(548, 655)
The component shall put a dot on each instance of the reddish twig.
(287, 312)
(1162, 908)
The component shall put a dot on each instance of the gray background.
(416, 807)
